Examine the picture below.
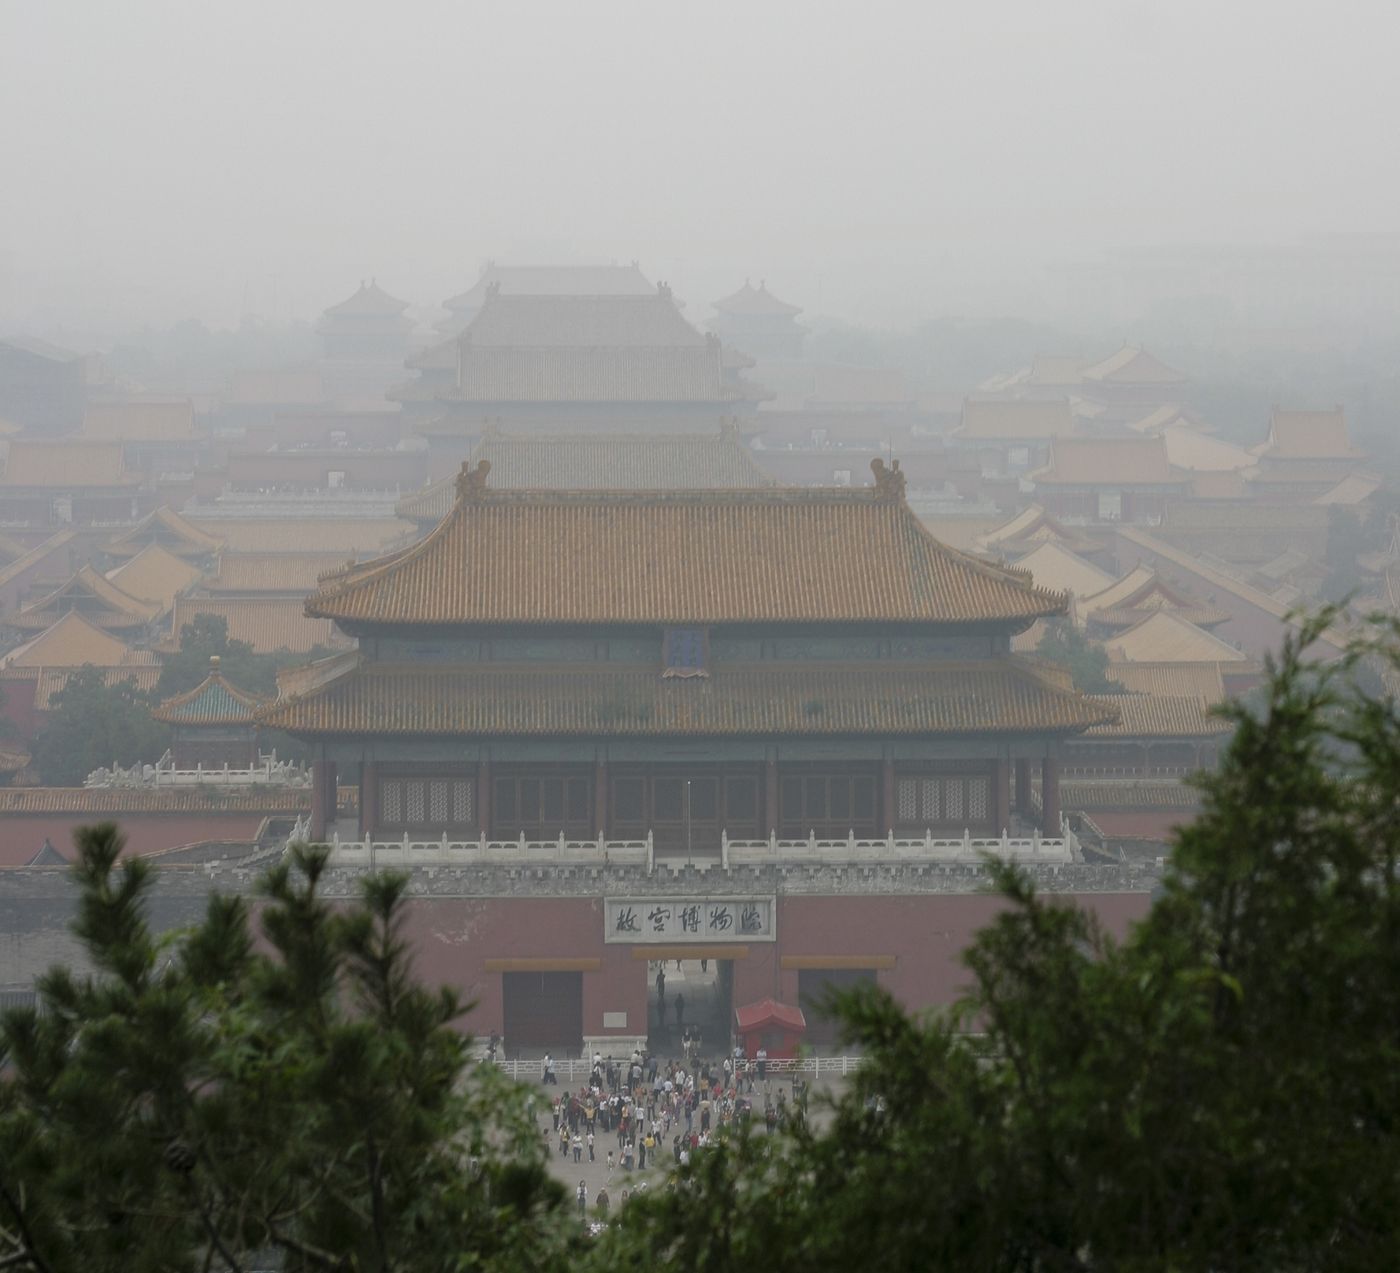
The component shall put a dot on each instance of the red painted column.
(369, 798)
(1001, 784)
(600, 796)
(1050, 796)
(1023, 786)
(483, 796)
(770, 793)
(887, 792)
(318, 800)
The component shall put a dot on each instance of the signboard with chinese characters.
(676, 920)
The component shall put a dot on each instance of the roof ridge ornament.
(889, 481)
(471, 482)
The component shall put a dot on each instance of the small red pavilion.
(779, 1027)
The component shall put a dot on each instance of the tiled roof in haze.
(582, 322)
(554, 280)
(1141, 592)
(271, 572)
(1133, 366)
(115, 800)
(1154, 716)
(347, 536)
(693, 557)
(268, 624)
(106, 604)
(1107, 462)
(168, 528)
(369, 301)
(758, 700)
(1194, 450)
(1308, 435)
(141, 420)
(66, 464)
(1171, 680)
(1355, 488)
(601, 462)
(756, 301)
(1056, 569)
(1012, 420)
(71, 642)
(1167, 638)
(155, 574)
(1032, 526)
(214, 701)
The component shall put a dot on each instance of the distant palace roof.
(71, 642)
(1015, 420)
(263, 573)
(155, 574)
(66, 464)
(369, 301)
(268, 624)
(755, 301)
(141, 420)
(1165, 637)
(1133, 366)
(1153, 716)
(1140, 593)
(1056, 569)
(580, 349)
(1033, 526)
(601, 462)
(702, 557)
(1308, 435)
(554, 280)
(214, 701)
(99, 601)
(1108, 462)
(757, 699)
(167, 528)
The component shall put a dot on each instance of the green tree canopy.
(1064, 644)
(1218, 1091)
(300, 1103)
(93, 724)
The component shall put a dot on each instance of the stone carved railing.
(269, 772)
(898, 850)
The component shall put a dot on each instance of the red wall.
(454, 937)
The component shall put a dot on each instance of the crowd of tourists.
(640, 1112)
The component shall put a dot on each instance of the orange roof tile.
(71, 642)
(67, 464)
(759, 700)
(347, 536)
(1108, 461)
(1056, 569)
(1308, 435)
(268, 624)
(1012, 420)
(141, 420)
(1141, 591)
(1133, 366)
(830, 556)
(167, 528)
(1171, 680)
(155, 574)
(1167, 638)
(261, 573)
(750, 301)
(1153, 716)
(97, 598)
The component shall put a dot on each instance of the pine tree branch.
(26, 1237)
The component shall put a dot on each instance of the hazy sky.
(172, 157)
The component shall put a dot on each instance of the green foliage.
(202, 1102)
(1064, 644)
(93, 724)
(1221, 1090)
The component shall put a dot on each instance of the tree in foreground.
(203, 1103)
(1221, 1090)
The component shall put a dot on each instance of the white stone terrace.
(643, 854)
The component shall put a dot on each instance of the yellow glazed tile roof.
(701, 557)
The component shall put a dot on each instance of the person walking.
(610, 1164)
(661, 993)
(591, 1157)
(601, 1203)
(578, 1147)
(582, 1196)
(680, 1010)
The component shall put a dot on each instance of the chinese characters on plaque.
(690, 919)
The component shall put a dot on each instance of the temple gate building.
(658, 703)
